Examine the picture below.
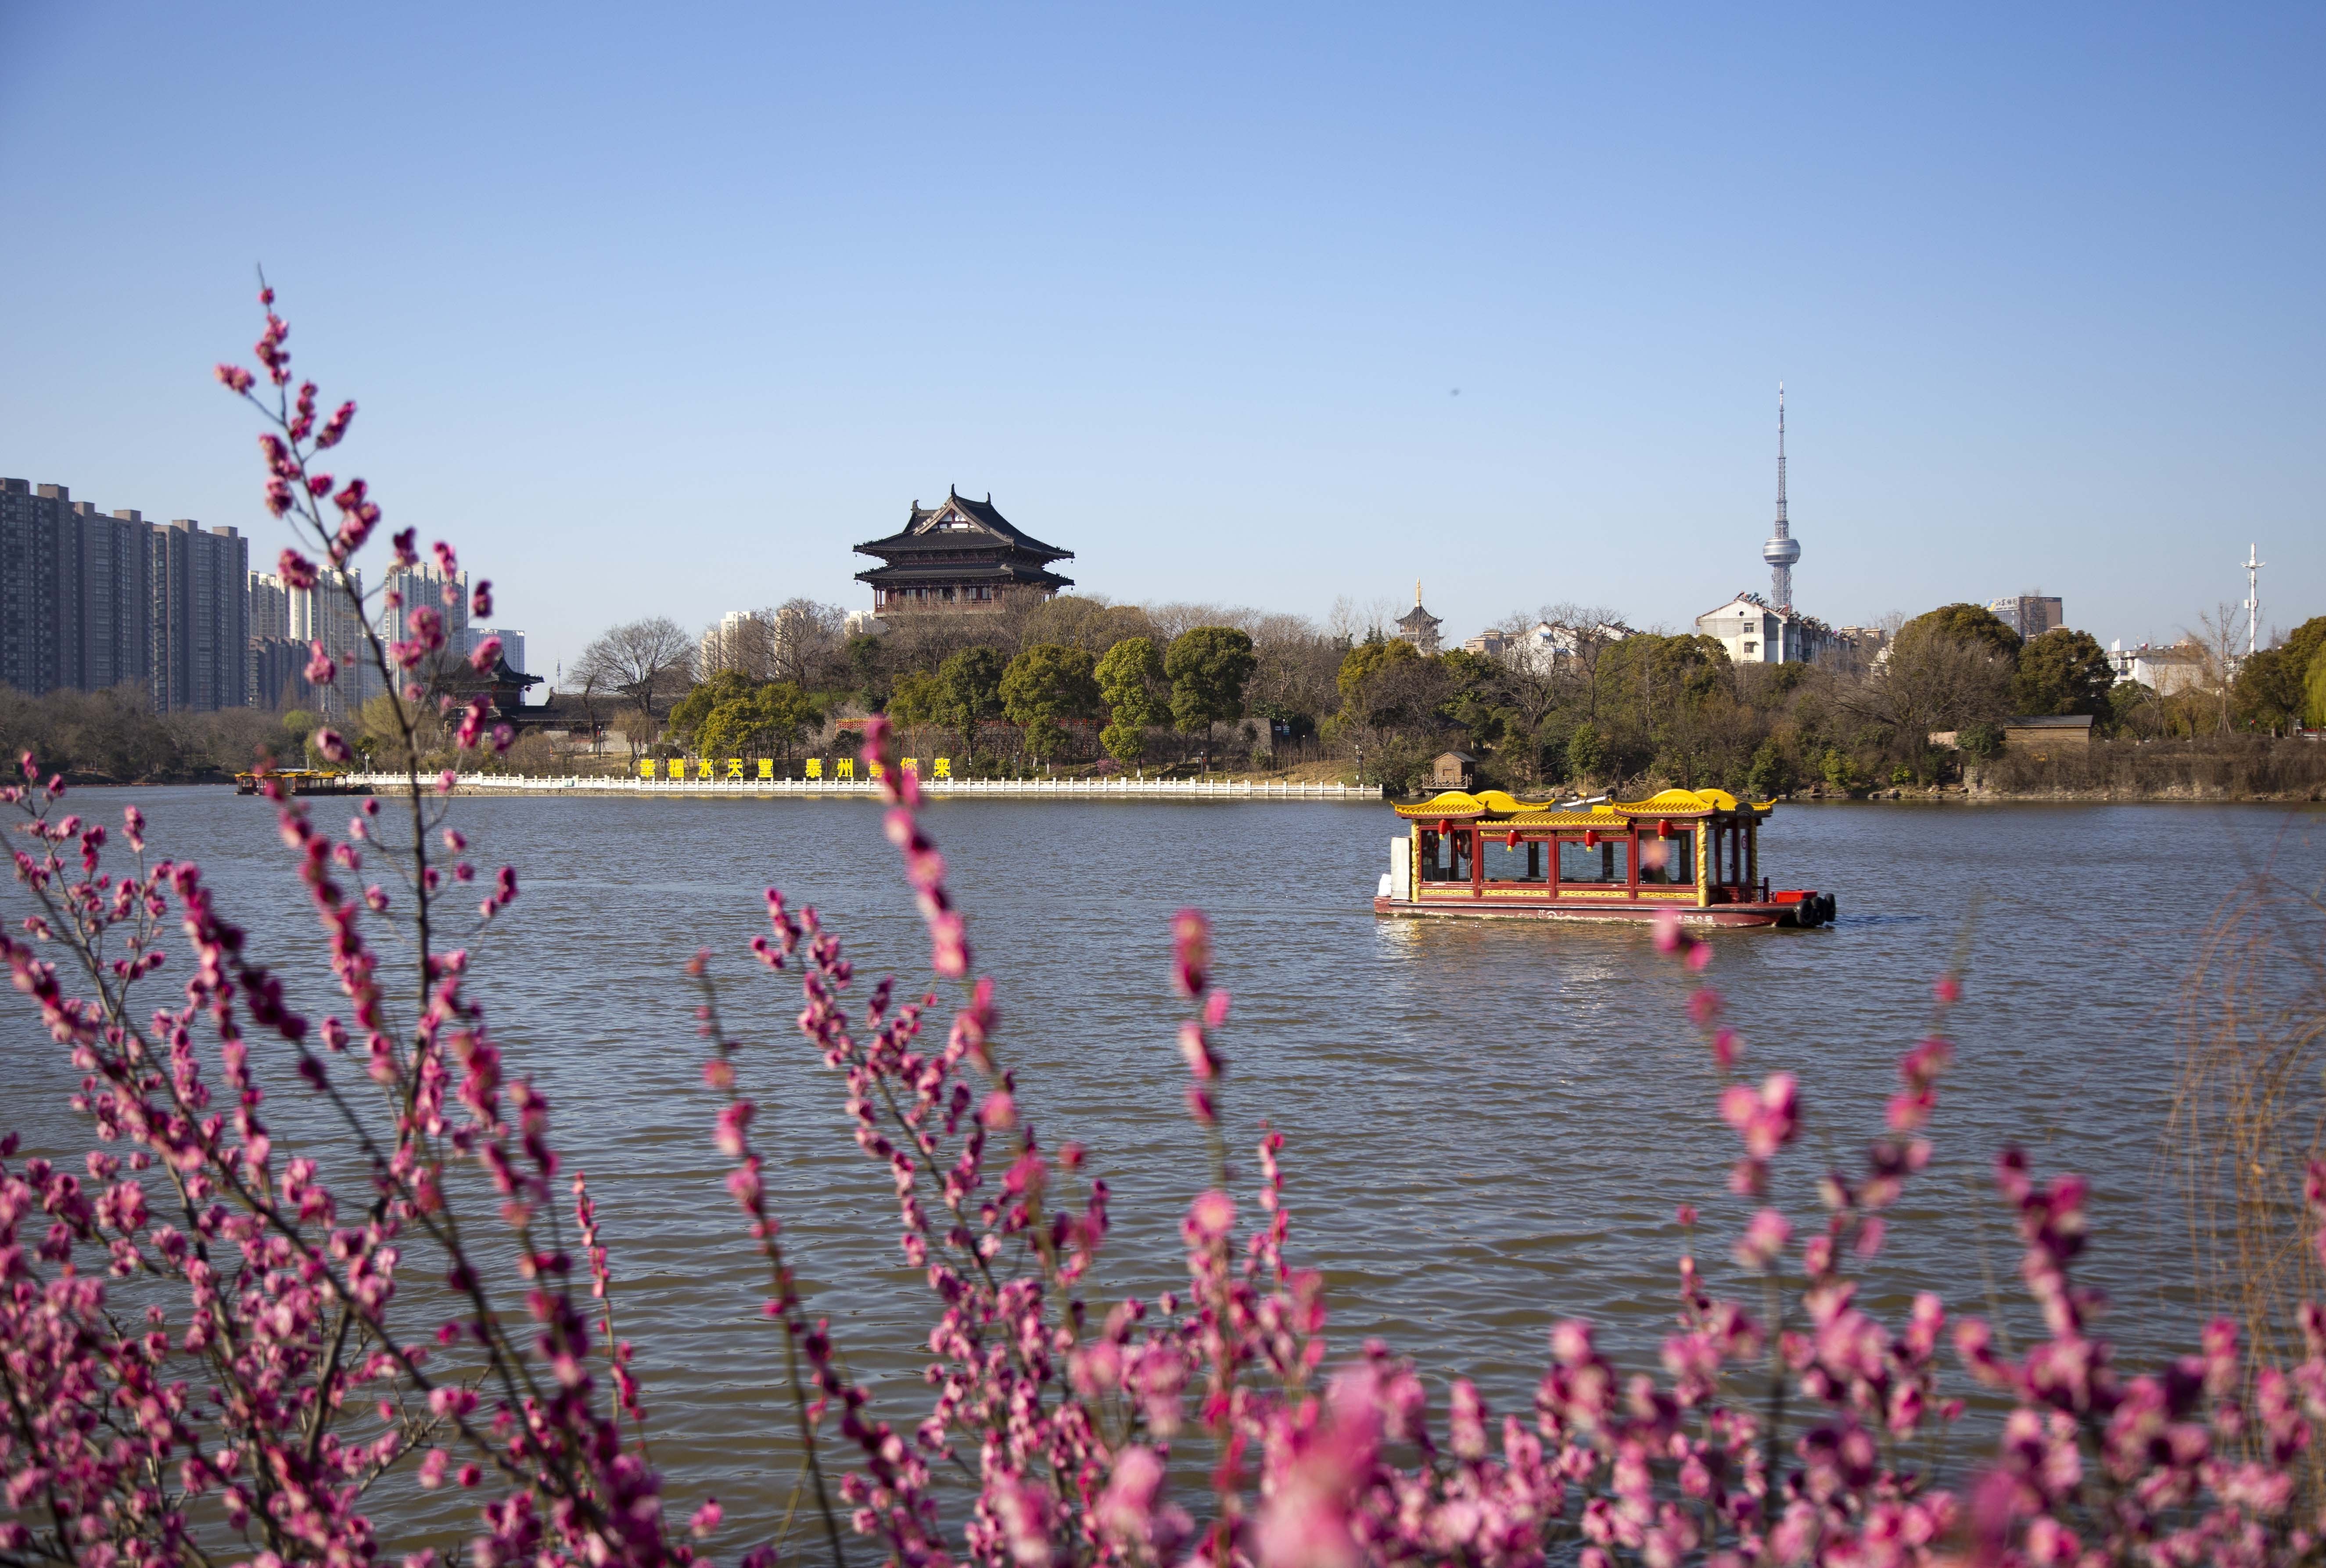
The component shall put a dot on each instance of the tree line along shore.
(1077, 686)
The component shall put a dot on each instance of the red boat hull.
(1800, 910)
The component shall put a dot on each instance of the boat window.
(1445, 857)
(1526, 863)
(1610, 862)
(1669, 860)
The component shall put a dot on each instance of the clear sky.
(661, 308)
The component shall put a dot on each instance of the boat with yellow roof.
(1695, 853)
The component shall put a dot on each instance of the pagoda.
(962, 555)
(1419, 626)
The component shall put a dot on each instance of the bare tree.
(1928, 682)
(650, 662)
(2217, 647)
(744, 643)
(802, 635)
(1559, 648)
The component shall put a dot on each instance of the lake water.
(1488, 1125)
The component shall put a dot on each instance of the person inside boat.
(1668, 860)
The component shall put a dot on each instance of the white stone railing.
(1083, 789)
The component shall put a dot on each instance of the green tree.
(772, 715)
(686, 715)
(919, 699)
(1964, 623)
(1043, 684)
(1208, 667)
(972, 683)
(1130, 684)
(1361, 664)
(1772, 772)
(2314, 705)
(1587, 752)
(1980, 742)
(2063, 672)
(1841, 769)
(2272, 688)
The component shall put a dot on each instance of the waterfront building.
(1757, 632)
(962, 556)
(2031, 615)
(1419, 626)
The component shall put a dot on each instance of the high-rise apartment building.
(512, 643)
(77, 593)
(202, 617)
(426, 584)
(2030, 615)
(325, 613)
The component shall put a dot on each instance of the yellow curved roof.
(1689, 802)
(1463, 805)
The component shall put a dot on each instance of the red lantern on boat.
(1591, 837)
(1663, 829)
(1445, 825)
(1511, 839)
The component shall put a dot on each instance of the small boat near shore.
(1694, 853)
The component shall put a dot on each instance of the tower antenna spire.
(1782, 549)
(2254, 563)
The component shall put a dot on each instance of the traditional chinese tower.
(1418, 625)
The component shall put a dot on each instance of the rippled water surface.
(1488, 1125)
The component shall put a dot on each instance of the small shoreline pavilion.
(959, 556)
(1691, 853)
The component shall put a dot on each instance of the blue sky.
(659, 309)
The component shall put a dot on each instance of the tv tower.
(2254, 563)
(1782, 549)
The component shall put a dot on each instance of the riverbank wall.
(1052, 789)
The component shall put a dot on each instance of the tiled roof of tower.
(941, 527)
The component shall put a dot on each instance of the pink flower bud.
(332, 744)
(1210, 1216)
(485, 655)
(481, 602)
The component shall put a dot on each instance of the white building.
(2163, 671)
(1546, 643)
(1757, 632)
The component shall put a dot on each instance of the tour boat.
(302, 781)
(1695, 852)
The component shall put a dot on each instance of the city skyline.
(1267, 311)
